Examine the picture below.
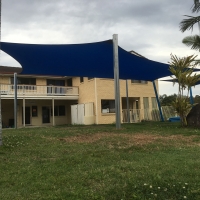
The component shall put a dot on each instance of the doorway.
(27, 115)
(45, 114)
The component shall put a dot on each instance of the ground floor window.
(108, 106)
(58, 111)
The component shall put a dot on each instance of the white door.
(77, 114)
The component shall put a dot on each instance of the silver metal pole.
(127, 102)
(15, 100)
(116, 81)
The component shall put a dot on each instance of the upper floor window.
(69, 82)
(81, 80)
(24, 81)
(139, 81)
(55, 82)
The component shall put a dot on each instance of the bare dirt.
(136, 139)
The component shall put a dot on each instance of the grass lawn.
(149, 160)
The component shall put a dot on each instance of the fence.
(137, 115)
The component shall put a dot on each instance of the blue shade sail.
(85, 60)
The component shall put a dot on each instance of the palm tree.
(182, 70)
(187, 24)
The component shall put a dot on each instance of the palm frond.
(188, 24)
(192, 41)
(196, 6)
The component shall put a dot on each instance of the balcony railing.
(38, 90)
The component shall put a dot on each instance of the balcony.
(38, 91)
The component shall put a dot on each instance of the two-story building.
(50, 100)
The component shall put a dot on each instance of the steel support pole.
(15, 100)
(191, 97)
(127, 102)
(158, 102)
(116, 81)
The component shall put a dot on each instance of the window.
(24, 81)
(55, 82)
(89, 78)
(139, 81)
(28, 83)
(81, 80)
(146, 102)
(154, 102)
(108, 106)
(34, 111)
(61, 110)
(69, 82)
(58, 111)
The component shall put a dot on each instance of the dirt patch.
(136, 139)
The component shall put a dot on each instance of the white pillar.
(15, 99)
(53, 111)
(24, 113)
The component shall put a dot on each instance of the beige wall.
(41, 81)
(7, 110)
(4, 79)
(97, 89)
(86, 89)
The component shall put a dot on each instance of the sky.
(150, 28)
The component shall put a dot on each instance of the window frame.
(107, 106)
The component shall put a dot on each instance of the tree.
(197, 99)
(167, 100)
(187, 24)
(182, 70)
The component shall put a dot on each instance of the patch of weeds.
(157, 191)
(174, 191)
(12, 141)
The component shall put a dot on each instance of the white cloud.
(150, 28)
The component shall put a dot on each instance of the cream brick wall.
(97, 89)
(41, 81)
(86, 89)
(4, 79)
